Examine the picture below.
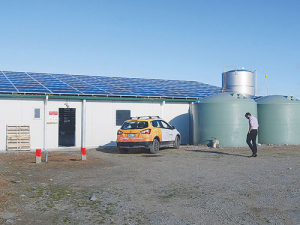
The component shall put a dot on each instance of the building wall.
(101, 119)
(101, 128)
(177, 114)
(21, 112)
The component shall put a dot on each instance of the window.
(37, 113)
(157, 123)
(121, 116)
(166, 125)
(135, 125)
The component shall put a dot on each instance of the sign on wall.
(53, 117)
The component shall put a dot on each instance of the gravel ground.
(191, 185)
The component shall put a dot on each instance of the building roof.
(84, 85)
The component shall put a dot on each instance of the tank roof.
(278, 99)
(225, 97)
(239, 70)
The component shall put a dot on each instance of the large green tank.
(222, 117)
(279, 120)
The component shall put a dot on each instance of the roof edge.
(96, 98)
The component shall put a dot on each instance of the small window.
(157, 123)
(166, 125)
(37, 113)
(121, 116)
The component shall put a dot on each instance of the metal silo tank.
(222, 116)
(239, 81)
(279, 120)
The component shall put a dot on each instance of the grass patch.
(67, 219)
(10, 194)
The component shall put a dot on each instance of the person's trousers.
(251, 137)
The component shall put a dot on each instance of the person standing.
(252, 133)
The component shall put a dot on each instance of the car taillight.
(119, 132)
(148, 131)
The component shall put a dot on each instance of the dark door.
(66, 127)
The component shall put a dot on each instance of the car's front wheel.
(177, 142)
(155, 146)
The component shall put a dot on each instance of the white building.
(52, 120)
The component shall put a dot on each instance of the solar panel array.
(45, 83)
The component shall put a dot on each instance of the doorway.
(67, 118)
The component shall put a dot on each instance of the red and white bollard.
(83, 154)
(38, 156)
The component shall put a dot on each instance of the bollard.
(83, 154)
(46, 156)
(38, 156)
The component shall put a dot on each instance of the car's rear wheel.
(155, 146)
(177, 142)
(123, 150)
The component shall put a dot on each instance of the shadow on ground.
(217, 152)
(114, 150)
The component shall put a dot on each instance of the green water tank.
(279, 120)
(222, 117)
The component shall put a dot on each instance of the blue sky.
(170, 39)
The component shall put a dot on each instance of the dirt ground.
(191, 185)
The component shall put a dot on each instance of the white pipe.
(83, 123)
(45, 128)
(162, 109)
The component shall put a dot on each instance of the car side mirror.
(173, 127)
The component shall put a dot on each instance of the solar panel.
(54, 84)
(44, 83)
(6, 85)
(24, 83)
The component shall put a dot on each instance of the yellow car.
(149, 132)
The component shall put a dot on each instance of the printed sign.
(53, 116)
(53, 113)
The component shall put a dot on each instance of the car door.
(164, 132)
(168, 130)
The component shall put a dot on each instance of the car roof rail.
(144, 117)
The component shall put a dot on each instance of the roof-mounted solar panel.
(24, 82)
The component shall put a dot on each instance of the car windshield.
(134, 125)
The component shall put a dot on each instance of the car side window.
(165, 125)
(156, 123)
